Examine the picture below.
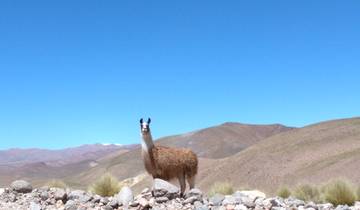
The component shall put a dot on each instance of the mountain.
(314, 154)
(210, 143)
(40, 165)
(18, 157)
(249, 156)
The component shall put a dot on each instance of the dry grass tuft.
(224, 188)
(107, 185)
(283, 192)
(340, 192)
(307, 192)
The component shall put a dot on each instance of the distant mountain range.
(19, 157)
(254, 156)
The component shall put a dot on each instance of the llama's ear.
(149, 121)
(141, 120)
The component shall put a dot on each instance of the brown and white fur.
(168, 163)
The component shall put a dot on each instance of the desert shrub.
(56, 184)
(358, 193)
(340, 192)
(306, 192)
(107, 185)
(224, 188)
(283, 192)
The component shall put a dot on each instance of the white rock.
(125, 196)
(252, 194)
(164, 188)
(21, 186)
(34, 206)
(240, 207)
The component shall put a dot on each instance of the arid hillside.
(249, 156)
(314, 153)
(210, 143)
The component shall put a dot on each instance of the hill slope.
(210, 143)
(40, 165)
(313, 153)
(19, 157)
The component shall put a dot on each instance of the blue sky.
(77, 72)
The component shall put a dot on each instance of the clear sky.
(77, 72)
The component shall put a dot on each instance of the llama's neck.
(147, 142)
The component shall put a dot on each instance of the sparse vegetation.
(107, 185)
(56, 184)
(358, 193)
(340, 192)
(224, 188)
(307, 192)
(283, 192)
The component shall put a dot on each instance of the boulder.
(125, 196)
(21, 186)
(71, 205)
(165, 189)
(34, 206)
(194, 193)
(253, 194)
(60, 194)
(217, 199)
(229, 200)
(76, 195)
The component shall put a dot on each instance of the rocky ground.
(21, 196)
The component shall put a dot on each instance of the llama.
(168, 163)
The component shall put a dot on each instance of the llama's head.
(145, 126)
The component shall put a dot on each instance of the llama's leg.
(182, 184)
(191, 181)
(152, 188)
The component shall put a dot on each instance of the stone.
(161, 199)
(76, 194)
(278, 208)
(197, 204)
(107, 208)
(60, 194)
(113, 203)
(21, 186)
(342, 207)
(253, 194)
(203, 207)
(229, 200)
(104, 200)
(59, 204)
(85, 198)
(311, 205)
(34, 206)
(44, 195)
(146, 190)
(2, 190)
(152, 202)
(217, 199)
(134, 204)
(326, 206)
(294, 202)
(164, 188)
(70, 205)
(143, 202)
(194, 192)
(125, 196)
(240, 207)
(191, 200)
(96, 199)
